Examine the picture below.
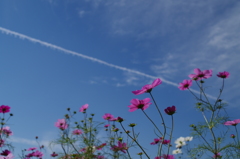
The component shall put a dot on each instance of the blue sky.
(126, 44)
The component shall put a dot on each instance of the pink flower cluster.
(34, 153)
(199, 75)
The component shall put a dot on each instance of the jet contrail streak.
(22, 36)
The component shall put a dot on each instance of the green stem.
(160, 147)
(135, 141)
(170, 135)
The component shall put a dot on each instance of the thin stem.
(128, 154)
(171, 135)
(135, 141)
(160, 148)
(237, 135)
(203, 138)
(152, 122)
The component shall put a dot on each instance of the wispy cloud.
(52, 46)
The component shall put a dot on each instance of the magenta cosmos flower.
(170, 110)
(61, 124)
(233, 123)
(200, 74)
(223, 74)
(54, 154)
(4, 109)
(167, 156)
(83, 108)
(156, 141)
(185, 84)
(38, 154)
(139, 104)
(148, 88)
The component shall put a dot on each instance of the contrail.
(22, 36)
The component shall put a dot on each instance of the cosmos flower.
(223, 74)
(108, 117)
(139, 104)
(233, 123)
(156, 141)
(188, 138)
(77, 132)
(167, 156)
(170, 110)
(31, 149)
(4, 109)
(38, 154)
(120, 147)
(200, 74)
(180, 142)
(148, 88)
(185, 84)
(83, 108)
(61, 124)
(177, 151)
(54, 154)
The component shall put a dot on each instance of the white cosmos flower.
(189, 138)
(180, 142)
(177, 151)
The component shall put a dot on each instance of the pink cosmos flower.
(167, 157)
(200, 74)
(233, 123)
(4, 109)
(31, 149)
(223, 74)
(77, 132)
(170, 110)
(83, 108)
(185, 84)
(106, 126)
(165, 142)
(30, 155)
(120, 147)
(157, 158)
(148, 88)
(6, 154)
(156, 141)
(6, 130)
(38, 154)
(54, 154)
(139, 104)
(108, 117)
(61, 124)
